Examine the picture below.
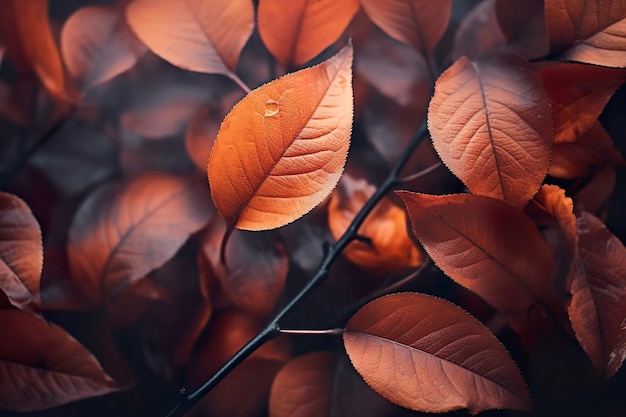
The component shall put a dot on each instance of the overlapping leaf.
(478, 32)
(524, 27)
(427, 354)
(491, 124)
(281, 150)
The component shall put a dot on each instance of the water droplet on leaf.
(271, 108)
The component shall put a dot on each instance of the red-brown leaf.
(484, 245)
(597, 308)
(478, 32)
(21, 254)
(427, 354)
(524, 27)
(123, 231)
(490, 120)
(42, 366)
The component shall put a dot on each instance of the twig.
(421, 173)
(326, 331)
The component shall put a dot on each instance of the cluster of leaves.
(120, 272)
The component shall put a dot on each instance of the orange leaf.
(485, 245)
(98, 45)
(197, 35)
(523, 27)
(391, 250)
(296, 31)
(281, 150)
(404, 345)
(478, 32)
(123, 231)
(490, 120)
(419, 23)
(597, 308)
(21, 254)
(42, 366)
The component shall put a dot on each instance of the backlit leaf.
(122, 231)
(42, 366)
(98, 45)
(490, 120)
(296, 31)
(281, 150)
(427, 354)
(21, 254)
(485, 245)
(419, 23)
(597, 309)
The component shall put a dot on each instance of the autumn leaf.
(418, 23)
(21, 254)
(426, 354)
(597, 309)
(98, 45)
(198, 35)
(490, 121)
(485, 245)
(296, 31)
(122, 231)
(523, 27)
(281, 150)
(43, 366)
(478, 32)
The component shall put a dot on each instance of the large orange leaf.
(419, 23)
(98, 45)
(198, 35)
(296, 31)
(42, 366)
(123, 231)
(597, 309)
(484, 245)
(490, 120)
(21, 254)
(427, 354)
(592, 31)
(281, 150)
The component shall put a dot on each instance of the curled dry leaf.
(123, 231)
(418, 23)
(391, 250)
(281, 150)
(478, 32)
(197, 35)
(296, 31)
(21, 254)
(490, 121)
(597, 308)
(428, 355)
(98, 45)
(485, 245)
(42, 366)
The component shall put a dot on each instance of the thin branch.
(421, 173)
(309, 332)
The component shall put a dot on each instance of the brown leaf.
(296, 31)
(281, 150)
(21, 254)
(597, 308)
(198, 35)
(418, 23)
(491, 124)
(595, 195)
(43, 366)
(478, 32)
(578, 94)
(524, 27)
(485, 245)
(98, 45)
(404, 345)
(123, 231)
(391, 250)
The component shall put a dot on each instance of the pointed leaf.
(123, 231)
(296, 31)
(478, 32)
(419, 23)
(42, 366)
(197, 35)
(21, 254)
(597, 309)
(281, 150)
(484, 245)
(98, 45)
(490, 120)
(427, 354)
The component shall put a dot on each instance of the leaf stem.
(240, 83)
(421, 173)
(335, 331)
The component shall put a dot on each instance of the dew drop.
(271, 108)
